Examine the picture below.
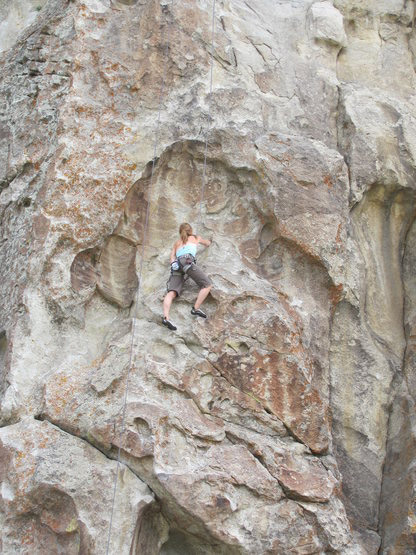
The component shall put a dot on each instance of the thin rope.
(137, 295)
(209, 118)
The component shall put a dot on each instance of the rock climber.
(183, 263)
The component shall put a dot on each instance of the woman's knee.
(208, 284)
(170, 295)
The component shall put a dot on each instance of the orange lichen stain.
(335, 294)
(43, 443)
(60, 397)
(338, 239)
(328, 181)
(83, 110)
(27, 539)
(25, 479)
(18, 458)
(96, 362)
(287, 234)
(58, 404)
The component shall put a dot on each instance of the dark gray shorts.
(177, 280)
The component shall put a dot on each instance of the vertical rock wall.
(284, 423)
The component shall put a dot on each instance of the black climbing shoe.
(198, 312)
(168, 324)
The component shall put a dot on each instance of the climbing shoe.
(168, 324)
(198, 312)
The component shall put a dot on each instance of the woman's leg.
(203, 281)
(167, 301)
(202, 295)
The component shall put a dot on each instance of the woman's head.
(185, 230)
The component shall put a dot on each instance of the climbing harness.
(183, 267)
(186, 262)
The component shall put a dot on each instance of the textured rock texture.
(57, 495)
(285, 422)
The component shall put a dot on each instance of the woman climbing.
(183, 261)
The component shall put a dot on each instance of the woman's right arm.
(205, 242)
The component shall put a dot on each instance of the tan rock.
(327, 24)
(283, 418)
(52, 486)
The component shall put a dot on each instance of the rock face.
(284, 423)
(57, 495)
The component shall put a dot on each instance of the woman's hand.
(205, 242)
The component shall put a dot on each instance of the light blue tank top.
(190, 248)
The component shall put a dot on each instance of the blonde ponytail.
(185, 230)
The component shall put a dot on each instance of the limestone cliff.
(285, 422)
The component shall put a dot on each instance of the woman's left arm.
(205, 242)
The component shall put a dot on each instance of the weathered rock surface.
(284, 423)
(57, 491)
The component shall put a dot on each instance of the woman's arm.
(205, 242)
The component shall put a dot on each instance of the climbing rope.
(136, 299)
(209, 117)
(145, 233)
